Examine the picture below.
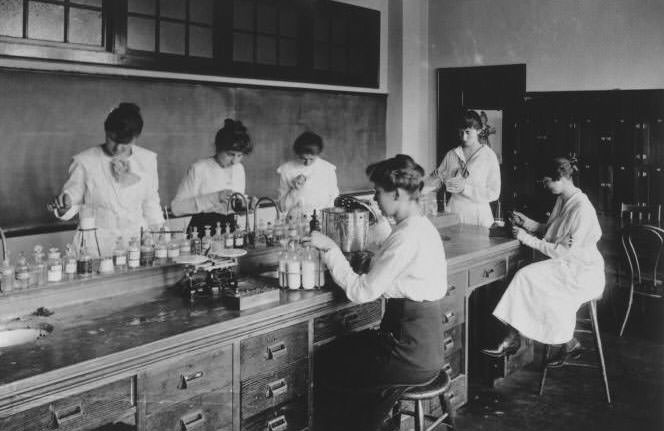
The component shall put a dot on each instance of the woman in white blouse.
(542, 299)
(471, 173)
(367, 371)
(308, 183)
(116, 180)
(209, 182)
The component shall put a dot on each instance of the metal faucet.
(4, 244)
(258, 203)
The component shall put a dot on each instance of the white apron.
(543, 298)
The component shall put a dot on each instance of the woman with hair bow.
(117, 180)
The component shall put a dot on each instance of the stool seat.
(430, 390)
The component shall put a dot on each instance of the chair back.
(639, 214)
(643, 246)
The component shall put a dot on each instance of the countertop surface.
(85, 332)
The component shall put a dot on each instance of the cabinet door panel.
(623, 185)
(623, 145)
(642, 141)
(346, 320)
(657, 142)
(657, 186)
(642, 185)
(208, 412)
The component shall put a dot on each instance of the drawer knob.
(451, 288)
(277, 424)
(276, 350)
(448, 343)
(67, 414)
(350, 319)
(487, 272)
(448, 369)
(276, 388)
(192, 421)
(449, 317)
(186, 380)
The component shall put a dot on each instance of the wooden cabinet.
(273, 350)
(211, 411)
(347, 320)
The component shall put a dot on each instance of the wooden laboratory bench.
(151, 360)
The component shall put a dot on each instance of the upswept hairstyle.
(559, 167)
(233, 137)
(124, 123)
(401, 172)
(470, 120)
(308, 143)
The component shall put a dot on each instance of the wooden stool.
(436, 388)
(592, 310)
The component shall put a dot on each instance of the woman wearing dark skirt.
(359, 377)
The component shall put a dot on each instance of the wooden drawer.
(287, 417)
(452, 340)
(458, 392)
(176, 381)
(454, 365)
(208, 412)
(456, 287)
(270, 389)
(273, 350)
(487, 272)
(90, 409)
(346, 320)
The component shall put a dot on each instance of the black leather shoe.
(568, 352)
(506, 348)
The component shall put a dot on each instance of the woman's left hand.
(455, 184)
(320, 241)
(516, 231)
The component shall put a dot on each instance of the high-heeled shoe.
(569, 351)
(508, 346)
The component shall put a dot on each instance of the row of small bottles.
(298, 266)
(272, 236)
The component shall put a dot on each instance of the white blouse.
(409, 264)
(318, 192)
(204, 179)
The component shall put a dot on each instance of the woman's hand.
(519, 219)
(516, 231)
(455, 184)
(60, 204)
(320, 241)
(299, 181)
(224, 195)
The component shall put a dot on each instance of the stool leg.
(419, 416)
(598, 345)
(545, 369)
(446, 407)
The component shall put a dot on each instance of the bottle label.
(161, 253)
(134, 255)
(120, 260)
(134, 263)
(239, 241)
(54, 273)
(70, 268)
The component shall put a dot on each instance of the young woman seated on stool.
(542, 299)
(362, 375)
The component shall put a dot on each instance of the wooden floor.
(574, 397)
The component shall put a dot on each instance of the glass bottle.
(238, 238)
(106, 265)
(133, 253)
(195, 242)
(320, 268)
(161, 249)
(206, 241)
(269, 236)
(7, 276)
(39, 268)
(174, 248)
(22, 273)
(314, 223)
(147, 250)
(303, 226)
(293, 267)
(70, 262)
(260, 236)
(119, 256)
(84, 262)
(185, 245)
(228, 237)
(282, 258)
(54, 266)
(217, 239)
(308, 265)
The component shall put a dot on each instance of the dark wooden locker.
(605, 201)
(657, 186)
(641, 185)
(589, 140)
(623, 144)
(642, 141)
(623, 186)
(566, 136)
(657, 142)
(589, 181)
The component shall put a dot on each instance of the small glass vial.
(282, 258)
(133, 254)
(22, 273)
(54, 266)
(39, 268)
(269, 236)
(119, 256)
(161, 249)
(147, 250)
(217, 240)
(309, 274)
(293, 268)
(173, 250)
(185, 245)
(70, 262)
(196, 247)
(7, 276)
(84, 263)
(206, 242)
(260, 239)
(314, 223)
(238, 238)
(229, 241)
(106, 265)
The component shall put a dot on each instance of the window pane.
(46, 21)
(266, 50)
(288, 23)
(243, 47)
(338, 59)
(85, 26)
(201, 11)
(243, 15)
(321, 56)
(200, 41)
(171, 37)
(140, 33)
(142, 6)
(173, 9)
(11, 18)
(267, 19)
(88, 2)
(287, 52)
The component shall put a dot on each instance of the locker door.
(565, 136)
(589, 181)
(605, 201)
(642, 185)
(605, 139)
(623, 186)
(657, 186)
(642, 141)
(657, 142)
(623, 144)
(589, 140)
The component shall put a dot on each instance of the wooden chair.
(639, 214)
(643, 246)
(438, 388)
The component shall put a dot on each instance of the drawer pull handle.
(487, 272)
(276, 350)
(450, 289)
(350, 318)
(277, 424)
(450, 396)
(448, 343)
(448, 369)
(276, 388)
(192, 421)
(449, 317)
(185, 380)
(67, 414)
